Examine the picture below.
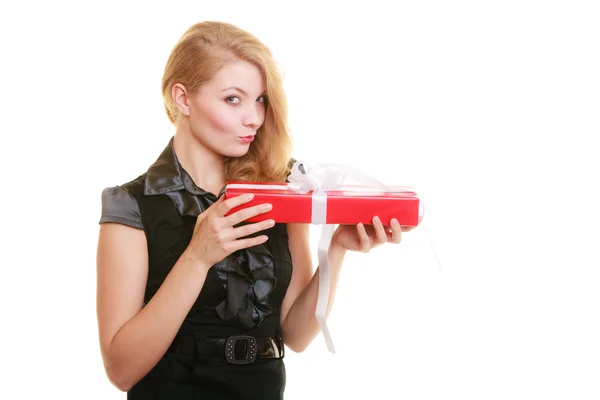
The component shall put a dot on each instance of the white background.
(489, 108)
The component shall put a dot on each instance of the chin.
(239, 152)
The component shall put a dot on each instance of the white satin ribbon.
(324, 279)
(320, 178)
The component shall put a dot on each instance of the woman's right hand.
(215, 237)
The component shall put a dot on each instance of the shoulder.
(119, 204)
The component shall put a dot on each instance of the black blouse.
(242, 294)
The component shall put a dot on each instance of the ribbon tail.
(437, 259)
(323, 293)
(422, 226)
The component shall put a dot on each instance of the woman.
(193, 303)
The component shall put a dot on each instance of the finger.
(249, 242)
(363, 237)
(230, 204)
(396, 236)
(249, 229)
(245, 213)
(213, 206)
(379, 230)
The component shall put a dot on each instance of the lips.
(247, 139)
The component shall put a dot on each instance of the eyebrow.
(240, 90)
(235, 88)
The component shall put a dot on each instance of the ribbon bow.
(324, 176)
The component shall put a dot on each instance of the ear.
(180, 97)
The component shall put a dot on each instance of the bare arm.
(132, 338)
(298, 319)
(299, 323)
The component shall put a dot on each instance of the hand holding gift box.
(318, 195)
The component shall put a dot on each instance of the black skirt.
(214, 379)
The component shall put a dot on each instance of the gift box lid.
(344, 190)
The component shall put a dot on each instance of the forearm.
(138, 346)
(300, 326)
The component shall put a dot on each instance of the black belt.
(237, 349)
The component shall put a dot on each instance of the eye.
(233, 99)
(262, 99)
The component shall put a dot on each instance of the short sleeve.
(290, 165)
(118, 205)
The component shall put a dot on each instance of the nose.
(254, 117)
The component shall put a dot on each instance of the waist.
(209, 323)
(235, 349)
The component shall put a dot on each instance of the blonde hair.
(198, 55)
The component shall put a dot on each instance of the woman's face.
(227, 111)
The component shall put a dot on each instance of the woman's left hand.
(364, 238)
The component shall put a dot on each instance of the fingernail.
(376, 220)
(270, 222)
(267, 206)
(249, 197)
(395, 222)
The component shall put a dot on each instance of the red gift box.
(349, 204)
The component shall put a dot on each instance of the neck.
(205, 167)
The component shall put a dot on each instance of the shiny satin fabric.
(248, 274)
